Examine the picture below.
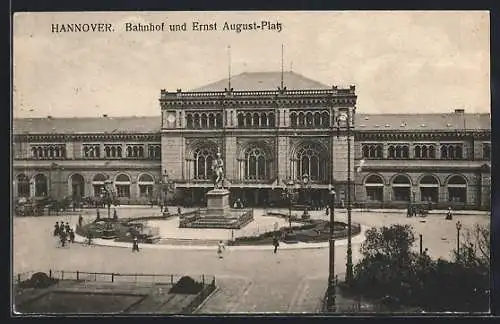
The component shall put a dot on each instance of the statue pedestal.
(217, 203)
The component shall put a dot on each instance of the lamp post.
(107, 194)
(459, 227)
(289, 193)
(345, 118)
(331, 273)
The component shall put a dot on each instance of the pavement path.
(293, 280)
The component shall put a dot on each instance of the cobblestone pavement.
(249, 280)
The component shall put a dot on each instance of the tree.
(389, 268)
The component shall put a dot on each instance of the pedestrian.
(327, 211)
(67, 228)
(135, 245)
(62, 238)
(179, 211)
(220, 249)
(89, 237)
(115, 214)
(276, 243)
(408, 211)
(449, 215)
(80, 220)
(72, 236)
(56, 229)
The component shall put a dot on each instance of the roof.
(152, 124)
(258, 81)
(438, 121)
(90, 125)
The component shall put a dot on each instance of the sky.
(400, 62)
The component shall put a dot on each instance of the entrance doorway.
(77, 186)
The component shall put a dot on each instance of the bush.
(38, 280)
(187, 285)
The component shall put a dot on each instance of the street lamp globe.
(459, 225)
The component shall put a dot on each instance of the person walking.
(67, 228)
(72, 236)
(220, 249)
(135, 245)
(56, 229)
(276, 243)
(80, 220)
(449, 215)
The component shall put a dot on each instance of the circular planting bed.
(312, 231)
(121, 230)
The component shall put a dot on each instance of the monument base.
(218, 213)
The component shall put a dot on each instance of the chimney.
(105, 115)
(459, 111)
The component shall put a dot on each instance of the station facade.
(276, 132)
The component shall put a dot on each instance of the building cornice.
(136, 137)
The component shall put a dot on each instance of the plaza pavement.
(249, 280)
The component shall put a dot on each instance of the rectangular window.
(123, 191)
(487, 151)
(374, 193)
(146, 191)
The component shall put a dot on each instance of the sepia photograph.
(259, 162)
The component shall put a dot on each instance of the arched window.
(51, 152)
(293, 120)
(424, 152)
(317, 119)
(457, 189)
(391, 152)
(272, 120)
(398, 151)
(77, 185)
(218, 120)
(113, 151)
(401, 188)
(302, 119)
(98, 184)
(372, 151)
(309, 163)
(263, 120)
(255, 120)
(366, 151)
(451, 152)
(204, 121)
(40, 152)
(146, 184)
(203, 158)
(374, 187)
(379, 151)
(23, 185)
(122, 185)
(405, 151)
(140, 151)
(444, 152)
(429, 189)
(432, 152)
(211, 121)
(458, 152)
(325, 119)
(136, 153)
(241, 120)
(197, 121)
(256, 166)
(41, 185)
(189, 121)
(248, 120)
(417, 152)
(129, 151)
(309, 119)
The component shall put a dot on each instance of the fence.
(116, 277)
